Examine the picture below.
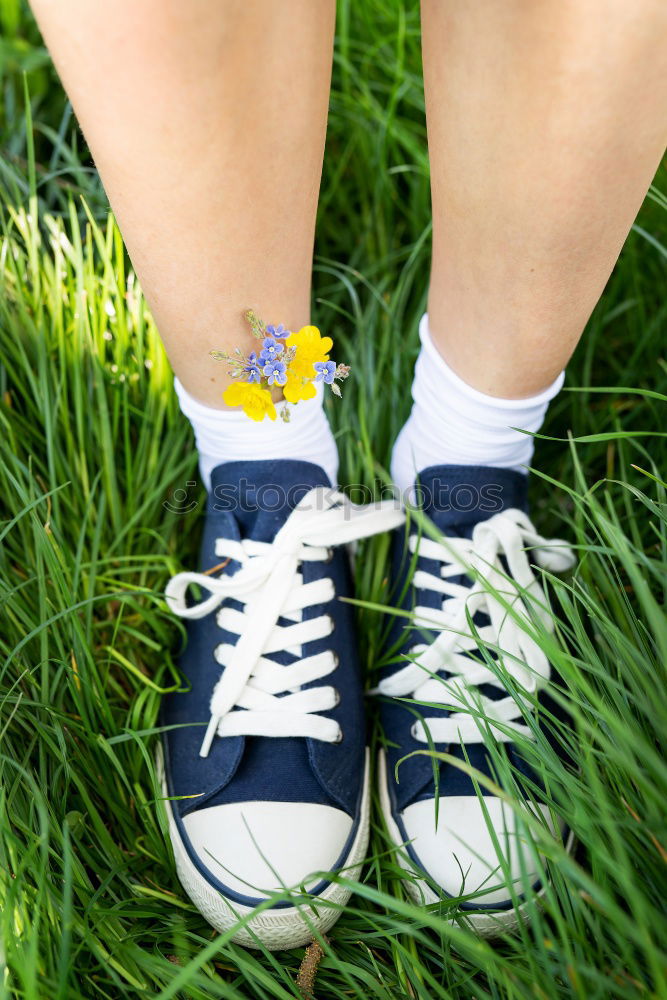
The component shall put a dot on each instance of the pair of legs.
(546, 121)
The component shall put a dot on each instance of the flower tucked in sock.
(293, 362)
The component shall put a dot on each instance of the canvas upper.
(260, 812)
(458, 847)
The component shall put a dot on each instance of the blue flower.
(271, 349)
(277, 331)
(251, 369)
(275, 372)
(325, 370)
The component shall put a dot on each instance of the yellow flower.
(311, 346)
(256, 402)
(297, 388)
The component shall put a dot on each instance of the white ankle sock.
(231, 436)
(453, 424)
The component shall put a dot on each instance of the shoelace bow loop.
(498, 591)
(248, 699)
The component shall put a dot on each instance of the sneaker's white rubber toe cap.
(256, 848)
(460, 854)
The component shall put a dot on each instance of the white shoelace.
(256, 696)
(495, 591)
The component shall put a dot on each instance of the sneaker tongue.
(262, 495)
(461, 495)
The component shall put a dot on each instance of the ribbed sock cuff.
(224, 435)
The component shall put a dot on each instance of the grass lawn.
(92, 450)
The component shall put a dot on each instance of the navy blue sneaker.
(265, 770)
(439, 692)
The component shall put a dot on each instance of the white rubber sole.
(485, 923)
(287, 927)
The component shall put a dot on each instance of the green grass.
(91, 447)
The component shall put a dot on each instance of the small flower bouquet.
(293, 362)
